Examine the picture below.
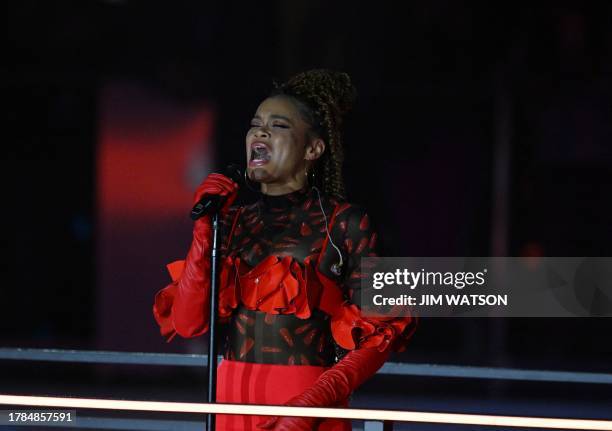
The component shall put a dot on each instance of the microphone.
(212, 204)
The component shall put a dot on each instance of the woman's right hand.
(219, 185)
(215, 185)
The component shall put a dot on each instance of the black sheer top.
(294, 224)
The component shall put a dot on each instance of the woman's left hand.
(290, 423)
(287, 423)
(331, 388)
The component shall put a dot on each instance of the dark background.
(479, 130)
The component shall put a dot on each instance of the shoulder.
(351, 227)
(350, 216)
(356, 230)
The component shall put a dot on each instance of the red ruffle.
(352, 330)
(165, 298)
(280, 285)
(277, 285)
(162, 306)
(162, 310)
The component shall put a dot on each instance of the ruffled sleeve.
(166, 298)
(162, 306)
(182, 307)
(350, 328)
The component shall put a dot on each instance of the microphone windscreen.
(233, 171)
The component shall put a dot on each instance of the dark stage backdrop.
(478, 131)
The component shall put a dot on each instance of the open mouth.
(259, 154)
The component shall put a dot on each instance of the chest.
(297, 232)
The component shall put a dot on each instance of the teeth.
(259, 153)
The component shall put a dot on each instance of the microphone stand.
(212, 342)
(213, 205)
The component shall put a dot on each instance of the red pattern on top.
(284, 285)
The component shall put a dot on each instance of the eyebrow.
(275, 117)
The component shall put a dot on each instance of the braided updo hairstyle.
(323, 97)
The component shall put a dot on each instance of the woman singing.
(290, 267)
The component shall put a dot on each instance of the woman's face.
(278, 147)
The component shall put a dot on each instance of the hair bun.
(323, 96)
(335, 87)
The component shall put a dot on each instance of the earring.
(246, 182)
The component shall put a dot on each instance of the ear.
(314, 149)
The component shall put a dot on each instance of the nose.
(262, 131)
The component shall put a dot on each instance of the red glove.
(214, 184)
(190, 293)
(332, 388)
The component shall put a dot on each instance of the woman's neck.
(285, 201)
(272, 189)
